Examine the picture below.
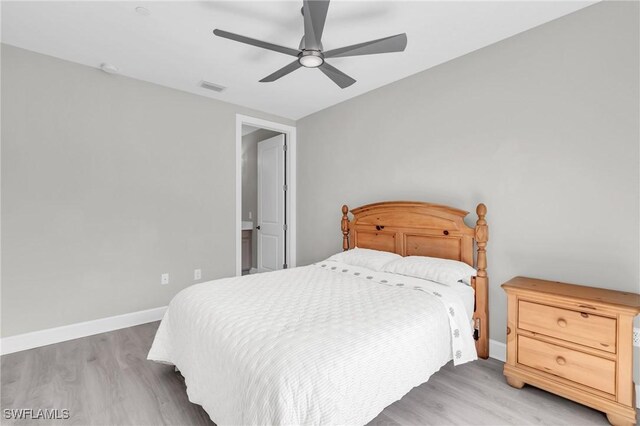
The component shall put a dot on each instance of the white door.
(271, 207)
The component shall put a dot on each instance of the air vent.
(211, 86)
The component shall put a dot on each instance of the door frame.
(290, 138)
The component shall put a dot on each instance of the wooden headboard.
(411, 228)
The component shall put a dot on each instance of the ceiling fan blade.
(315, 14)
(281, 72)
(338, 77)
(257, 43)
(396, 43)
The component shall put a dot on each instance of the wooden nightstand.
(574, 341)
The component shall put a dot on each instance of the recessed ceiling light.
(108, 68)
(143, 11)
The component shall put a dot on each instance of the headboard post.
(345, 228)
(481, 284)
(482, 236)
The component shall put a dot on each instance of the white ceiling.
(174, 45)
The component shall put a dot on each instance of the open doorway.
(265, 196)
(263, 200)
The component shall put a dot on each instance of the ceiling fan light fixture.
(311, 59)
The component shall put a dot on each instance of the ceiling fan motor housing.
(302, 46)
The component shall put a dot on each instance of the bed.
(332, 342)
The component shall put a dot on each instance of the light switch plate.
(164, 279)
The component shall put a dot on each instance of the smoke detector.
(143, 11)
(108, 68)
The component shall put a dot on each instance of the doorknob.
(258, 227)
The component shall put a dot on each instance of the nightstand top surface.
(629, 301)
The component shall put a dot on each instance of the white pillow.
(366, 258)
(442, 271)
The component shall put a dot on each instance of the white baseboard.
(49, 336)
(497, 350)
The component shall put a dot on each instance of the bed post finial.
(345, 228)
(481, 281)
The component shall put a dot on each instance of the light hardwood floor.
(106, 380)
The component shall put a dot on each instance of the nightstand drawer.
(589, 370)
(578, 327)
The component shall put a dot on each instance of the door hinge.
(284, 227)
(284, 148)
(284, 188)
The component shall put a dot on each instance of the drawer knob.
(562, 323)
(561, 361)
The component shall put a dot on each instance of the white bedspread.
(323, 344)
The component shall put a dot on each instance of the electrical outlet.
(164, 279)
(636, 337)
(197, 274)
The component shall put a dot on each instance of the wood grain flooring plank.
(106, 380)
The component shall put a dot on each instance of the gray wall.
(250, 179)
(542, 127)
(107, 182)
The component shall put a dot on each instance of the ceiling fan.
(311, 54)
